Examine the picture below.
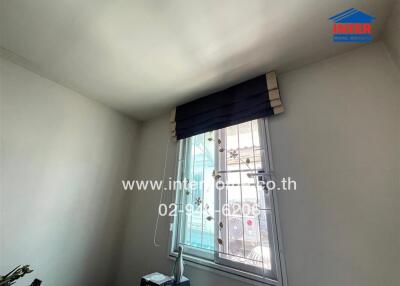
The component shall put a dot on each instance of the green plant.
(14, 274)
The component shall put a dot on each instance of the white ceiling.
(143, 57)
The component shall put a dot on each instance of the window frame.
(211, 259)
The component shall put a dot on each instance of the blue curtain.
(252, 99)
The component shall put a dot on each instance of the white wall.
(392, 33)
(339, 137)
(62, 159)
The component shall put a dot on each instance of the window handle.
(259, 174)
(250, 175)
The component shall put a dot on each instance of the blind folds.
(253, 99)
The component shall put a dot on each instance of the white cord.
(162, 193)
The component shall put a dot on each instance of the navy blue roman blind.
(256, 98)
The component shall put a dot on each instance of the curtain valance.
(255, 98)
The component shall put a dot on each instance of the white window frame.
(210, 260)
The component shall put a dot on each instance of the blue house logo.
(352, 25)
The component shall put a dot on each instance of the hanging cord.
(162, 193)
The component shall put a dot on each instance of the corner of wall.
(391, 35)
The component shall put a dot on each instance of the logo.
(352, 25)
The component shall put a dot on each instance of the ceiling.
(144, 57)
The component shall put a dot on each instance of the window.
(226, 216)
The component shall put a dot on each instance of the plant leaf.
(209, 218)
(220, 241)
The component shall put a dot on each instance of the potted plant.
(14, 275)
